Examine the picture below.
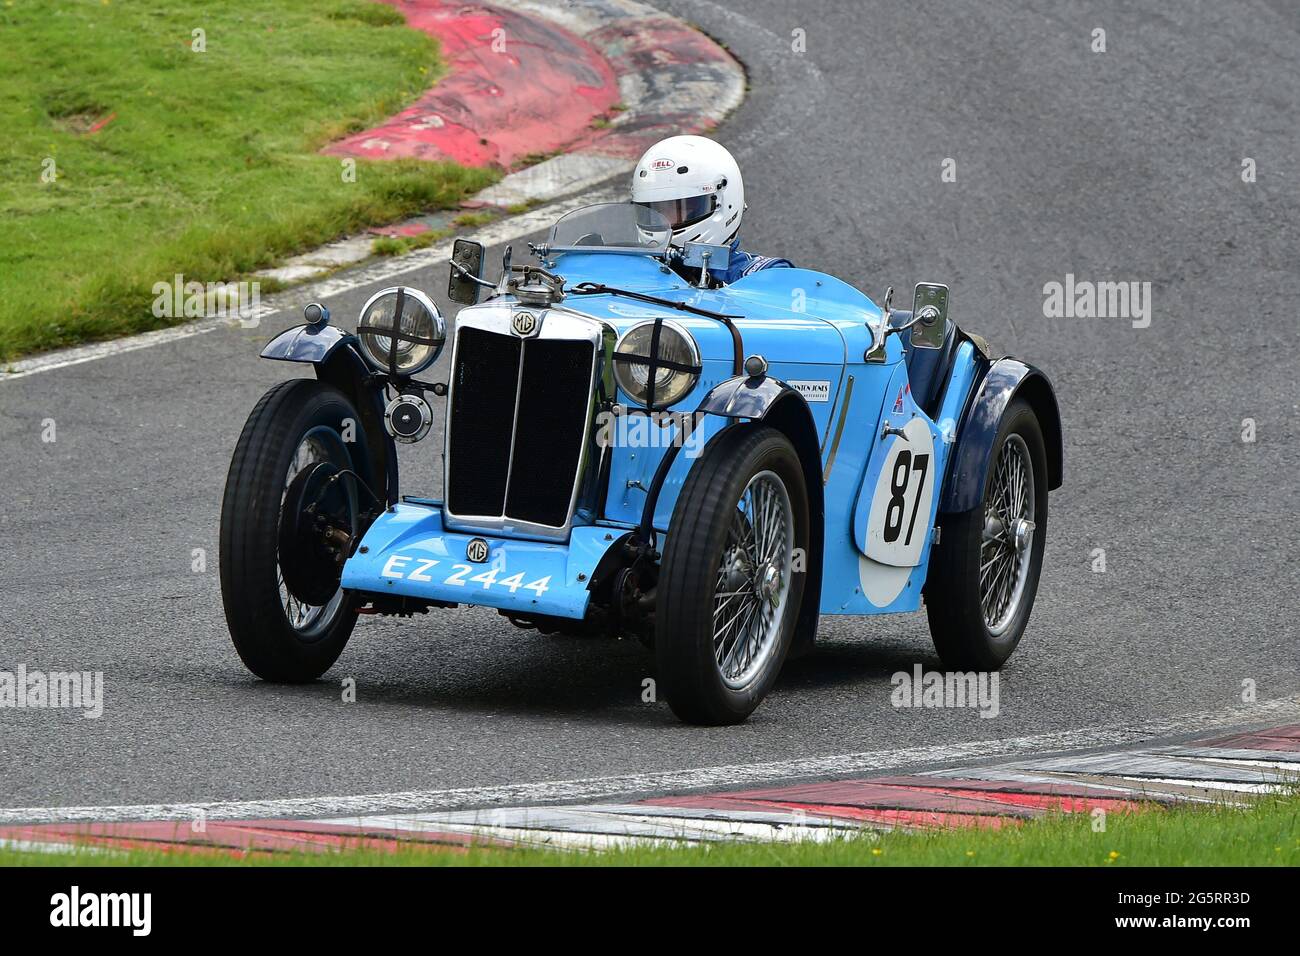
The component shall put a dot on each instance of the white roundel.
(899, 520)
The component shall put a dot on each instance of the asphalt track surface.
(1123, 165)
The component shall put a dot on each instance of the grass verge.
(146, 140)
(1185, 835)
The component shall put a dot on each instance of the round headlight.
(673, 367)
(401, 331)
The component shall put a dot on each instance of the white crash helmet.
(695, 184)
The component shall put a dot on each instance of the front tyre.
(984, 574)
(279, 636)
(732, 576)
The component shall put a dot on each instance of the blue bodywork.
(838, 408)
(408, 552)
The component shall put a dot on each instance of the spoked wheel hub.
(768, 583)
(316, 525)
(318, 519)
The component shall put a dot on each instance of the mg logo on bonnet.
(523, 323)
(476, 550)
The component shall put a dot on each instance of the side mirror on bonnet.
(466, 271)
(706, 257)
(930, 315)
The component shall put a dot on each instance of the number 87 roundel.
(899, 520)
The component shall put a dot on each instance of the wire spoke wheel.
(277, 530)
(310, 620)
(984, 572)
(753, 580)
(732, 576)
(1007, 543)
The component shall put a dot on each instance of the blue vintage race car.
(633, 449)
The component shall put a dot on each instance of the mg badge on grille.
(523, 323)
(476, 550)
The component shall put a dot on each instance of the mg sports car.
(633, 449)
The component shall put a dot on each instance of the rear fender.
(1006, 380)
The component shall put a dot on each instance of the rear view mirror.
(930, 313)
(702, 254)
(466, 271)
(707, 258)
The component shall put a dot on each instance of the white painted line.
(581, 824)
(568, 840)
(1142, 764)
(558, 176)
(1288, 768)
(333, 255)
(1225, 785)
(775, 816)
(590, 789)
(1279, 759)
(506, 230)
(88, 353)
(622, 820)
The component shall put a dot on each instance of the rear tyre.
(984, 574)
(732, 576)
(278, 636)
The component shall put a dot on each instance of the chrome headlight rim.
(381, 363)
(691, 377)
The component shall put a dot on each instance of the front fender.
(306, 343)
(1007, 379)
(743, 397)
(758, 398)
(338, 361)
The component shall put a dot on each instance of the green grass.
(209, 165)
(474, 220)
(1203, 835)
(400, 245)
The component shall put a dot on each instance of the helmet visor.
(680, 212)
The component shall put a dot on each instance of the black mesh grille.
(553, 411)
(554, 403)
(482, 418)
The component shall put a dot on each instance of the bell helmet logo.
(661, 164)
(523, 323)
(476, 550)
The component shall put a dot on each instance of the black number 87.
(904, 465)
